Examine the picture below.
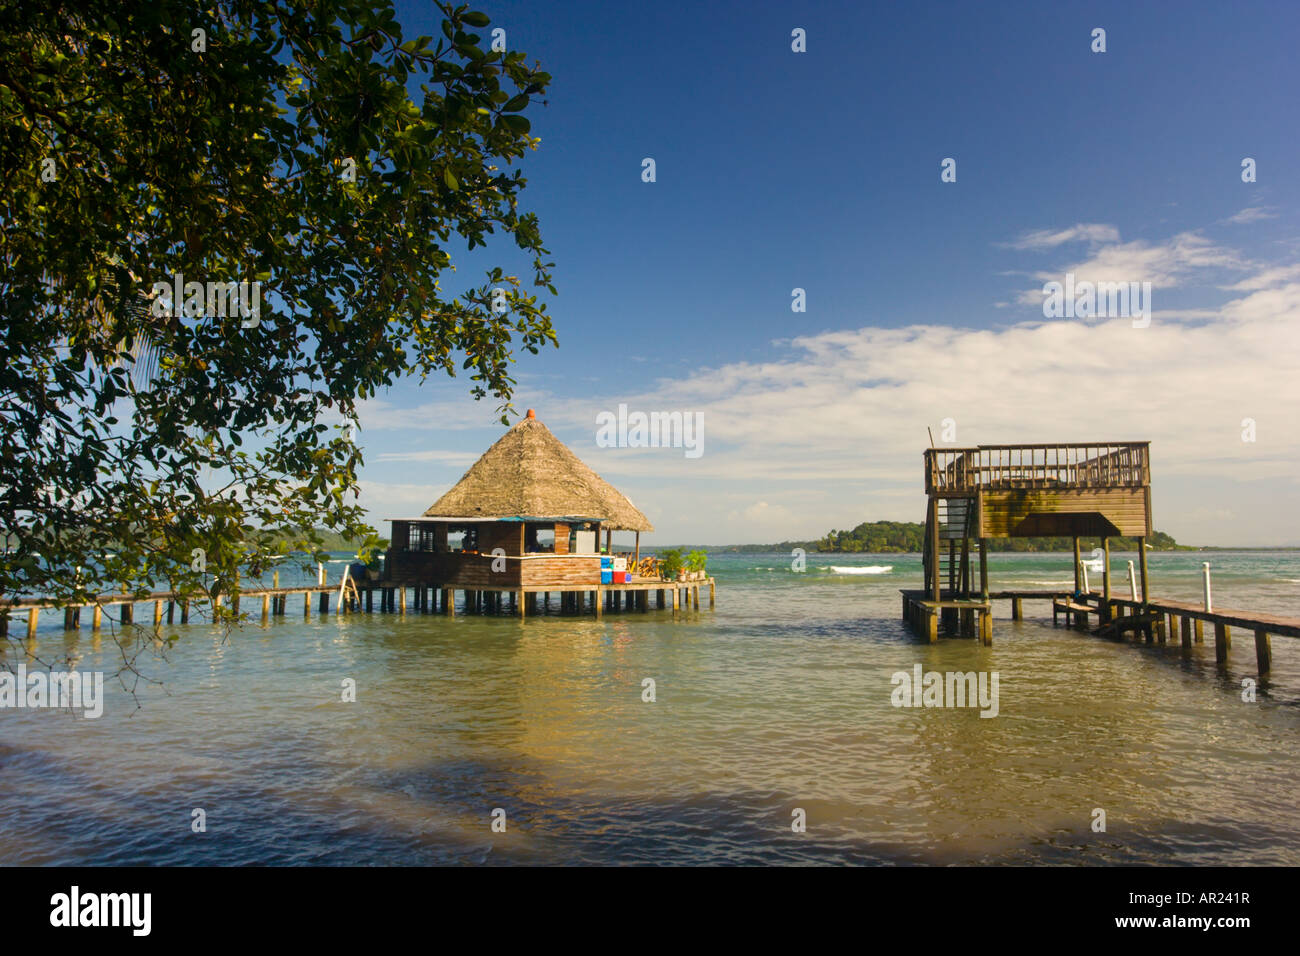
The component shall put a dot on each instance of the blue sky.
(821, 170)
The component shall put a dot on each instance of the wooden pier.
(1174, 622)
(381, 596)
(1079, 489)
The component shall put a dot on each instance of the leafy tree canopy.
(306, 145)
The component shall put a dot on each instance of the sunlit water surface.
(778, 699)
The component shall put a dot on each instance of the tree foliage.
(307, 146)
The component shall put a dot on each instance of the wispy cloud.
(1251, 214)
(1051, 238)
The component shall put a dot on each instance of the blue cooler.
(606, 575)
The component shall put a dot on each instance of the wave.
(862, 569)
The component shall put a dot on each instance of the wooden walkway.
(683, 595)
(1156, 621)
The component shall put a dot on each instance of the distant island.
(905, 537)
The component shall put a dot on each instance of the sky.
(822, 170)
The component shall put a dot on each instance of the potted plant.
(670, 565)
(695, 562)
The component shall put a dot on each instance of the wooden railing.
(1071, 465)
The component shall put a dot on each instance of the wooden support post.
(1105, 570)
(712, 584)
(449, 601)
(1142, 563)
(401, 600)
(157, 613)
(1186, 628)
(520, 601)
(1222, 641)
(31, 621)
(601, 596)
(266, 607)
(324, 602)
(636, 553)
(676, 597)
(696, 591)
(127, 613)
(952, 566)
(1263, 652)
(97, 616)
(171, 611)
(931, 624)
(1017, 613)
(306, 604)
(984, 569)
(1200, 631)
(67, 619)
(934, 551)
(1078, 584)
(1173, 628)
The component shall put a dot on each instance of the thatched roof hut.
(529, 473)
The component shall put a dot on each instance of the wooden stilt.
(1142, 560)
(1078, 584)
(1263, 651)
(97, 616)
(31, 622)
(266, 607)
(1017, 612)
(1222, 641)
(984, 569)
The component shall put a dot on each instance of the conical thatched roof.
(530, 473)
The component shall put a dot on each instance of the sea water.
(770, 710)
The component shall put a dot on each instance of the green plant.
(670, 562)
(696, 560)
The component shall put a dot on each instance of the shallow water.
(778, 699)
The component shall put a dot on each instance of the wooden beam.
(1078, 584)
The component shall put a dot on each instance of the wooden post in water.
(712, 583)
(185, 613)
(1222, 641)
(1105, 568)
(984, 569)
(401, 600)
(1078, 585)
(306, 604)
(1263, 652)
(157, 613)
(266, 607)
(1142, 564)
(31, 621)
(97, 617)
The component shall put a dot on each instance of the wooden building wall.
(1003, 513)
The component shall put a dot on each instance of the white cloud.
(1050, 239)
(1251, 214)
